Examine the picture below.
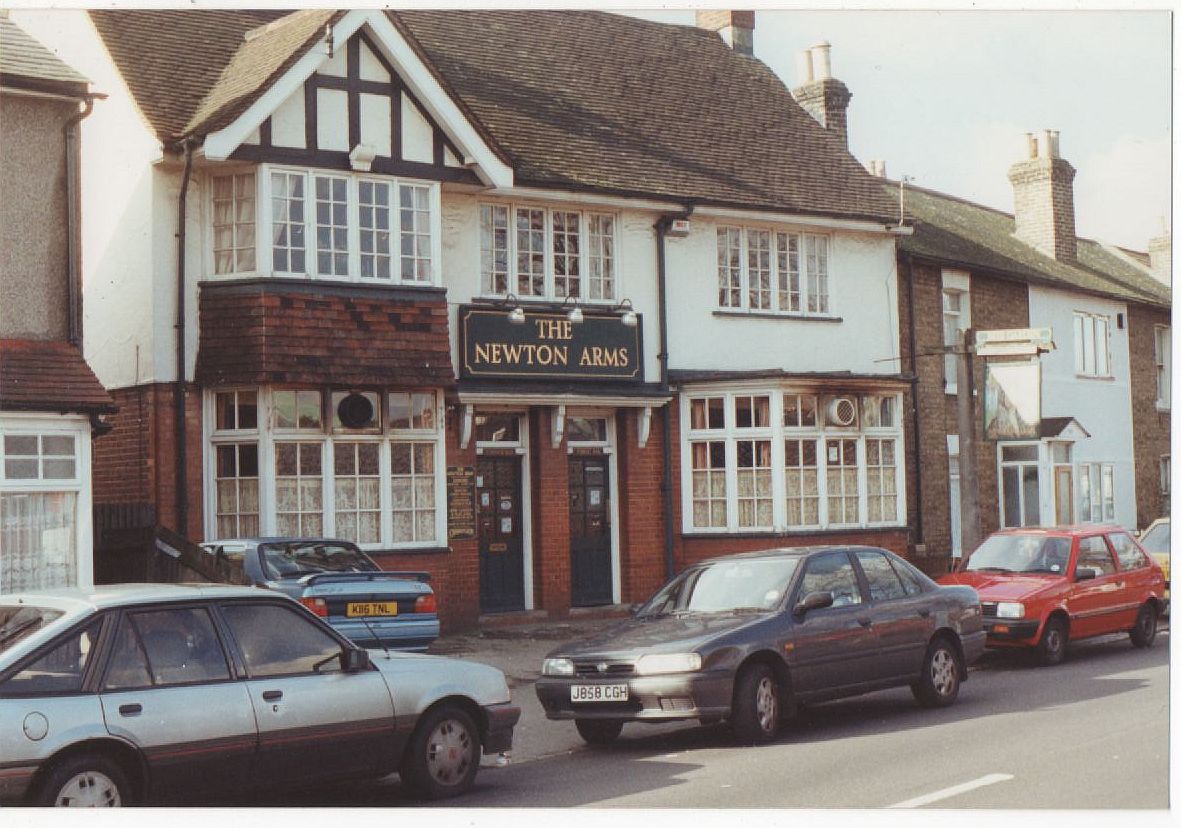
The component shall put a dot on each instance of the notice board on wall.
(461, 502)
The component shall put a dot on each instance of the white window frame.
(1166, 475)
(266, 437)
(778, 434)
(264, 232)
(233, 176)
(1162, 347)
(1093, 329)
(957, 282)
(80, 485)
(584, 252)
(807, 279)
(1002, 464)
(1093, 478)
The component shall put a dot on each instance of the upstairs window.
(547, 254)
(772, 272)
(1091, 339)
(1163, 359)
(341, 226)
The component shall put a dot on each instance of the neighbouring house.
(1102, 454)
(526, 300)
(51, 403)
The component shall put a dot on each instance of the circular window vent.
(355, 411)
(842, 411)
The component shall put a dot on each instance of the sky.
(946, 97)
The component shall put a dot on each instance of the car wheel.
(939, 684)
(598, 732)
(756, 709)
(443, 755)
(87, 780)
(1051, 649)
(1144, 633)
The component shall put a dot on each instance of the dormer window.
(315, 224)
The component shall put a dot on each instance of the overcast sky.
(946, 98)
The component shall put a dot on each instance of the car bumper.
(501, 719)
(973, 646)
(404, 634)
(1006, 632)
(649, 698)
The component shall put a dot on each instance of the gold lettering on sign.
(555, 329)
(596, 356)
(497, 353)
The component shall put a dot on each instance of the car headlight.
(557, 667)
(668, 663)
(1007, 609)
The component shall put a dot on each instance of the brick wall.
(995, 304)
(641, 506)
(550, 481)
(1150, 427)
(1043, 205)
(136, 461)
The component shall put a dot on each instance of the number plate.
(375, 608)
(598, 693)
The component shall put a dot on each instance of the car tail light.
(426, 603)
(318, 606)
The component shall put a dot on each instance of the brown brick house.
(50, 401)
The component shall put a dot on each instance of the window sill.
(1095, 377)
(324, 285)
(1164, 408)
(700, 534)
(782, 317)
(544, 302)
(409, 550)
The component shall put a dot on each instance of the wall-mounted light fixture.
(629, 318)
(516, 314)
(361, 158)
(573, 311)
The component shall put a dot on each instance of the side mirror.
(1084, 573)
(354, 660)
(813, 601)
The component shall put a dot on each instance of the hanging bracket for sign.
(1014, 342)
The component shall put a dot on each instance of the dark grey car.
(747, 637)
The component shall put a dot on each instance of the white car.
(164, 693)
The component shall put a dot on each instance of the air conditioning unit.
(841, 411)
(357, 411)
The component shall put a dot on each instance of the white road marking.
(955, 790)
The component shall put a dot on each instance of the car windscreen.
(294, 560)
(1022, 553)
(724, 586)
(1156, 539)
(18, 622)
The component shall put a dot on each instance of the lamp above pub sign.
(548, 345)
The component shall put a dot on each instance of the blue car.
(341, 584)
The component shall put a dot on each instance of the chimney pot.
(804, 66)
(821, 95)
(736, 28)
(822, 59)
(1043, 198)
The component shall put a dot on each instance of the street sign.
(1014, 342)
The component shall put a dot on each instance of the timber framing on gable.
(443, 166)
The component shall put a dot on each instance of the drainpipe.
(666, 483)
(73, 224)
(914, 399)
(182, 496)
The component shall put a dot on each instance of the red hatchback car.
(1041, 588)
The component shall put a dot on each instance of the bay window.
(772, 271)
(372, 472)
(345, 226)
(547, 253)
(769, 461)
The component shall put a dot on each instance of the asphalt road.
(1090, 733)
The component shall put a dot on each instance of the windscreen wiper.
(9, 633)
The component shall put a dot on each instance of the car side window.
(831, 572)
(883, 582)
(910, 581)
(180, 645)
(1128, 554)
(129, 663)
(277, 641)
(60, 670)
(1094, 554)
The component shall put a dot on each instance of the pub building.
(526, 300)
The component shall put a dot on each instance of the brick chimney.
(820, 94)
(1160, 254)
(1043, 198)
(737, 28)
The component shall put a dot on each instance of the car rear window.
(294, 560)
(19, 622)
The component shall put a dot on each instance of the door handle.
(272, 695)
(130, 709)
(865, 622)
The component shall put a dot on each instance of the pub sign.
(548, 345)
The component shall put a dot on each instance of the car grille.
(989, 609)
(593, 668)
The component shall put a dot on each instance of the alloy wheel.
(767, 704)
(450, 752)
(89, 789)
(943, 676)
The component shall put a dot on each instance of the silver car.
(166, 693)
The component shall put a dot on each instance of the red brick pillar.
(551, 516)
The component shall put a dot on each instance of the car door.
(1096, 604)
(1137, 576)
(831, 649)
(902, 623)
(168, 689)
(314, 719)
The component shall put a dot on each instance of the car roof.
(251, 542)
(791, 552)
(79, 599)
(1074, 529)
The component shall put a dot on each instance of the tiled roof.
(48, 376)
(23, 58)
(574, 99)
(955, 231)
